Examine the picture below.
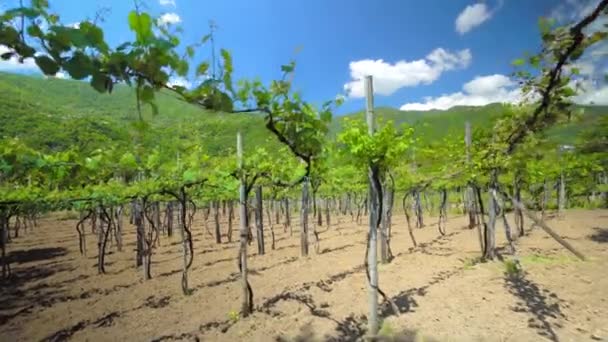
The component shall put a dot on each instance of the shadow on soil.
(36, 254)
(351, 329)
(540, 303)
(106, 320)
(15, 296)
(335, 249)
(405, 301)
(65, 334)
(600, 235)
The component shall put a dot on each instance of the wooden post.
(327, 213)
(288, 218)
(541, 223)
(230, 216)
(372, 256)
(139, 236)
(259, 219)
(185, 246)
(304, 219)
(490, 232)
(562, 194)
(100, 235)
(386, 224)
(469, 193)
(216, 219)
(6, 270)
(243, 229)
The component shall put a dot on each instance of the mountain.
(435, 124)
(53, 114)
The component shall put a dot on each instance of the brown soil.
(56, 294)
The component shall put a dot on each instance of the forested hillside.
(55, 113)
(436, 124)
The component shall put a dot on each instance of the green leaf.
(27, 12)
(123, 46)
(519, 62)
(189, 175)
(544, 25)
(535, 61)
(227, 60)
(326, 116)
(205, 38)
(7, 55)
(92, 163)
(34, 31)
(128, 161)
(190, 51)
(93, 34)
(69, 36)
(141, 24)
(288, 67)
(339, 100)
(162, 44)
(596, 37)
(182, 68)
(47, 65)
(577, 53)
(202, 69)
(79, 66)
(567, 91)
(227, 69)
(41, 4)
(99, 82)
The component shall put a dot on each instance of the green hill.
(436, 124)
(53, 114)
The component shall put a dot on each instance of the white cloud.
(167, 2)
(28, 66)
(497, 88)
(60, 75)
(480, 91)
(593, 66)
(180, 82)
(592, 89)
(471, 17)
(169, 18)
(594, 96)
(486, 85)
(571, 10)
(13, 65)
(389, 78)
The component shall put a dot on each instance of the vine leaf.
(47, 65)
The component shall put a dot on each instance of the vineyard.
(135, 209)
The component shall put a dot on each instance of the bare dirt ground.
(56, 294)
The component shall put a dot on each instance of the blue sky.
(423, 54)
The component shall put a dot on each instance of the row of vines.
(370, 169)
